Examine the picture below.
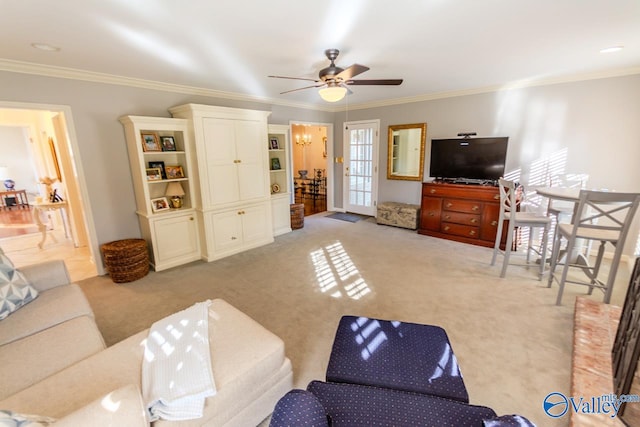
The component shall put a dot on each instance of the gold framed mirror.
(406, 151)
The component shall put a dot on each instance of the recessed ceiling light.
(611, 49)
(45, 47)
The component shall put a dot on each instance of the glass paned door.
(361, 158)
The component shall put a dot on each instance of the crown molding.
(620, 72)
(95, 77)
(91, 76)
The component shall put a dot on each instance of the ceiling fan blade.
(294, 78)
(352, 71)
(301, 88)
(381, 82)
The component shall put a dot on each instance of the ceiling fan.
(333, 80)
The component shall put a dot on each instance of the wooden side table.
(42, 207)
(20, 197)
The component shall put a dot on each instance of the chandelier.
(304, 139)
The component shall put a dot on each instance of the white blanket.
(176, 368)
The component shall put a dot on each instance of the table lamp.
(175, 192)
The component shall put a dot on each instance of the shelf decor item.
(175, 192)
(159, 165)
(275, 164)
(275, 188)
(274, 144)
(159, 204)
(154, 174)
(168, 143)
(150, 142)
(174, 172)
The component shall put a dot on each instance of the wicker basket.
(126, 260)
(297, 215)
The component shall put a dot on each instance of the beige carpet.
(513, 344)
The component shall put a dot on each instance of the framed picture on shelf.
(150, 142)
(159, 204)
(274, 144)
(159, 165)
(174, 172)
(154, 174)
(168, 143)
(275, 164)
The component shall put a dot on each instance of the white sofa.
(76, 375)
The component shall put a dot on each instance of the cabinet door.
(221, 162)
(281, 213)
(227, 230)
(251, 151)
(176, 240)
(256, 226)
(430, 213)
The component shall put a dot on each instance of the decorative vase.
(176, 202)
(9, 184)
(303, 173)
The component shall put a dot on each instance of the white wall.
(596, 123)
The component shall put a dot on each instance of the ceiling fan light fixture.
(332, 93)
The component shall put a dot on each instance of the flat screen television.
(468, 159)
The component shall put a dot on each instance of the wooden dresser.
(464, 213)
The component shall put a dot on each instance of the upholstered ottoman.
(402, 215)
(397, 355)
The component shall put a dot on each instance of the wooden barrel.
(126, 260)
(297, 215)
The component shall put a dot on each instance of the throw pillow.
(13, 419)
(15, 289)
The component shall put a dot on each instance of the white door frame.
(79, 171)
(375, 157)
(328, 161)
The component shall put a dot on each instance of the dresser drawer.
(460, 230)
(461, 218)
(457, 205)
(470, 192)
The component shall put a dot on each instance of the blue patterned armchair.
(388, 373)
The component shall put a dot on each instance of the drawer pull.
(432, 214)
(191, 219)
(472, 233)
(494, 223)
(474, 220)
(234, 238)
(475, 208)
(448, 205)
(446, 228)
(433, 190)
(496, 197)
(447, 217)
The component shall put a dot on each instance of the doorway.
(361, 141)
(50, 154)
(311, 148)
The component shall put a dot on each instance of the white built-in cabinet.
(280, 178)
(172, 233)
(230, 146)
